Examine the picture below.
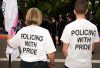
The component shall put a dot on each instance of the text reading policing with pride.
(31, 42)
(84, 38)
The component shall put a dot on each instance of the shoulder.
(72, 24)
(43, 29)
(91, 24)
(24, 28)
(44, 32)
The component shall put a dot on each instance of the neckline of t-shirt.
(80, 19)
(34, 25)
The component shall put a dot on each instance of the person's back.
(35, 42)
(78, 38)
(82, 34)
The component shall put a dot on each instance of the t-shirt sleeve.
(65, 35)
(96, 39)
(48, 44)
(15, 41)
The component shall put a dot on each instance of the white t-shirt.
(80, 36)
(35, 42)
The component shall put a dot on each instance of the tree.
(52, 7)
(95, 4)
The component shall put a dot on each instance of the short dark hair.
(81, 6)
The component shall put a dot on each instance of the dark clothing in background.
(38, 64)
(60, 28)
(51, 27)
(53, 32)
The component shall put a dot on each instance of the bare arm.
(51, 57)
(95, 43)
(8, 38)
(65, 49)
(93, 46)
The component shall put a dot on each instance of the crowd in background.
(55, 25)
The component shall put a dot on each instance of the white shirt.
(80, 36)
(35, 42)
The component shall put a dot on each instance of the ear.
(86, 11)
(74, 11)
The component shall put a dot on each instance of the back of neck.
(80, 16)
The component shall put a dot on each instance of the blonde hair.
(33, 16)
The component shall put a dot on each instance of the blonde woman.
(35, 42)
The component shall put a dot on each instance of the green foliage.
(48, 7)
(98, 15)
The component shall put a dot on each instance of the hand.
(51, 65)
(9, 37)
